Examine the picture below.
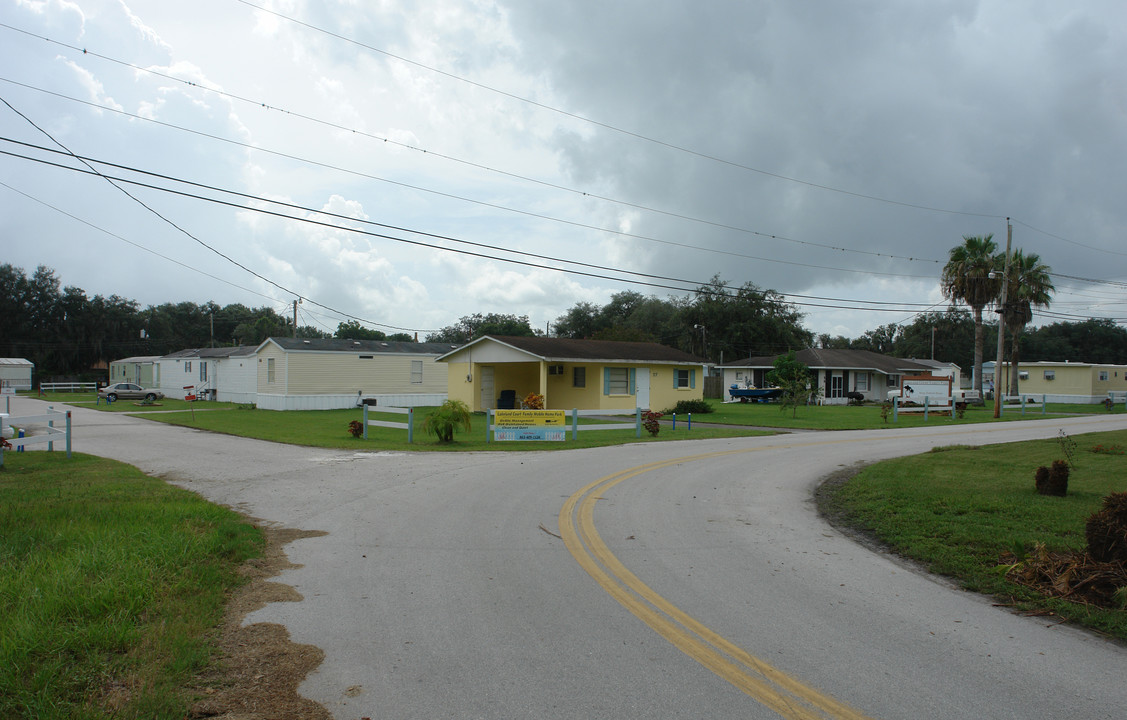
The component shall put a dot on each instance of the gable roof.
(825, 359)
(568, 349)
(364, 346)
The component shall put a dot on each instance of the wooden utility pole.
(1002, 323)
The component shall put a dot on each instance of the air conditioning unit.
(555, 369)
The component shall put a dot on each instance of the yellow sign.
(526, 418)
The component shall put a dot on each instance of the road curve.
(467, 585)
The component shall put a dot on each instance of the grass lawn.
(113, 583)
(868, 417)
(960, 510)
(329, 428)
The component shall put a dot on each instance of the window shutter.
(692, 378)
(633, 376)
(606, 381)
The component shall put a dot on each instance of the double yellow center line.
(768, 685)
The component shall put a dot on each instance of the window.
(862, 382)
(1022, 375)
(187, 366)
(416, 372)
(1103, 375)
(269, 370)
(579, 377)
(680, 378)
(1050, 374)
(618, 381)
(894, 381)
(203, 371)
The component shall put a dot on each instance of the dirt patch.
(258, 669)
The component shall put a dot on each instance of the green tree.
(474, 326)
(798, 384)
(967, 278)
(1029, 286)
(353, 330)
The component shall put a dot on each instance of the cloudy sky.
(411, 162)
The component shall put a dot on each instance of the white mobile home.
(15, 374)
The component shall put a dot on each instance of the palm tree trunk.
(1015, 338)
(979, 335)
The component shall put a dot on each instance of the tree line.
(67, 333)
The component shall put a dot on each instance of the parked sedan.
(129, 390)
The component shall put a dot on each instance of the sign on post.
(529, 425)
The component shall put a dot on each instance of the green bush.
(689, 406)
(451, 415)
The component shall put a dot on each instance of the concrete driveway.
(515, 585)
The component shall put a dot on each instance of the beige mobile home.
(325, 374)
(1064, 382)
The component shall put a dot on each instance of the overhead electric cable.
(608, 126)
(625, 203)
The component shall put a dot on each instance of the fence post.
(3, 417)
(68, 434)
(50, 426)
(927, 399)
(674, 421)
(410, 424)
(488, 423)
(365, 422)
(895, 406)
(637, 422)
(575, 423)
(1043, 404)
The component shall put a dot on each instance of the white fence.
(68, 387)
(48, 420)
(409, 426)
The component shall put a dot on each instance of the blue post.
(690, 425)
(1043, 404)
(365, 422)
(1022, 397)
(927, 400)
(575, 423)
(410, 425)
(20, 448)
(895, 408)
(674, 421)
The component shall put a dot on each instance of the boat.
(750, 394)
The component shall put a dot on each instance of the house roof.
(139, 359)
(365, 346)
(568, 349)
(825, 359)
(22, 362)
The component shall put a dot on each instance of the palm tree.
(967, 278)
(1028, 286)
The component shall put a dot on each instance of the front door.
(642, 387)
(485, 375)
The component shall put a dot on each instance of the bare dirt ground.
(259, 669)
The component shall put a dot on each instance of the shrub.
(1106, 530)
(534, 401)
(650, 422)
(356, 428)
(1052, 480)
(690, 406)
(449, 416)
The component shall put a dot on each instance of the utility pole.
(212, 319)
(295, 302)
(1002, 323)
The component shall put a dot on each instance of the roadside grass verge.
(131, 406)
(959, 510)
(329, 429)
(113, 584)
(868, 417)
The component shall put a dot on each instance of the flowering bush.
(1112, 449)
(650, 422)
(534, 401)
(356, 428)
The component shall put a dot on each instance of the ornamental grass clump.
(1052, 480)
(449, 416)
(1106, 530)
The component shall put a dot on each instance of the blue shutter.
(674, 378)
(632, 377)
(692, 378)
(606, 381)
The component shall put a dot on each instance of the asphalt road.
(671, 580)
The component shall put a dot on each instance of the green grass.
(130, 406)
(959, 510)
(329, 428)
(868, 417)
(113, 583)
